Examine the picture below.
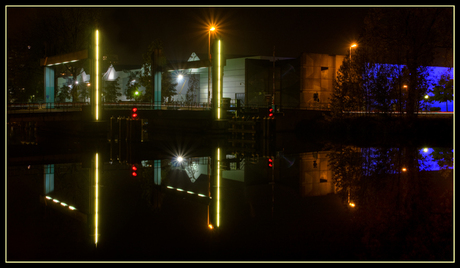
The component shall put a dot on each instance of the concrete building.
(302, 82)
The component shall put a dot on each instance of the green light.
(136, 93)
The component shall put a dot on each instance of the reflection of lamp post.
(209, 58)
(351, 204)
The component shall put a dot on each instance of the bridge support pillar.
(156, 79)
(49, 86)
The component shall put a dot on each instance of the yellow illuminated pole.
(218, 79)
(97, 74)
(209, 57)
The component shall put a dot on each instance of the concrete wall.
(233, 80)
(317, 73)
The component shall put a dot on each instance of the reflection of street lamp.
(209, 58)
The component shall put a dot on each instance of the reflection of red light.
(134, 115)
(134, 174)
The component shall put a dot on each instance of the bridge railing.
(30, 107)
(164, 106)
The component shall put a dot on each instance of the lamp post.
(426, 102)
(354, 45)
(209, 58)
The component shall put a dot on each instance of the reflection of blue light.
(290, 162)
(427, 162)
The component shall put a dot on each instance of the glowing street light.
(354, 45)
(212, 29)
(180, 159)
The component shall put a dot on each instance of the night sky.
(246, 30)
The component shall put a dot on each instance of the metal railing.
(76, 106)
(45, 107)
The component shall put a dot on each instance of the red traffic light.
(270, 162)
(134, 169)
(134, 114)
(270, 112)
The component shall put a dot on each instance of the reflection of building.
(315, 174)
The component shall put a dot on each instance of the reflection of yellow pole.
(348, 194)
(209, 192)
(218, 189)
(96, 201)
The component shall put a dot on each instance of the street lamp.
(354, 45)
(426, 102)
(212, 29)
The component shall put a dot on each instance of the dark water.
(318, 202)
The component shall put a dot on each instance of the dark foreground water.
(317, 202)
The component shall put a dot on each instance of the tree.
(64, 93)
(111, 90)
(24, 74)
(146, 75)
(168, 87)
(409, 36)
(379, 87)
(443, 90)
(347, 93)
(132, 86)
(193, 88)
(84, 91)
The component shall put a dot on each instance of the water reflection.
(402, 199)
(138, 201)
